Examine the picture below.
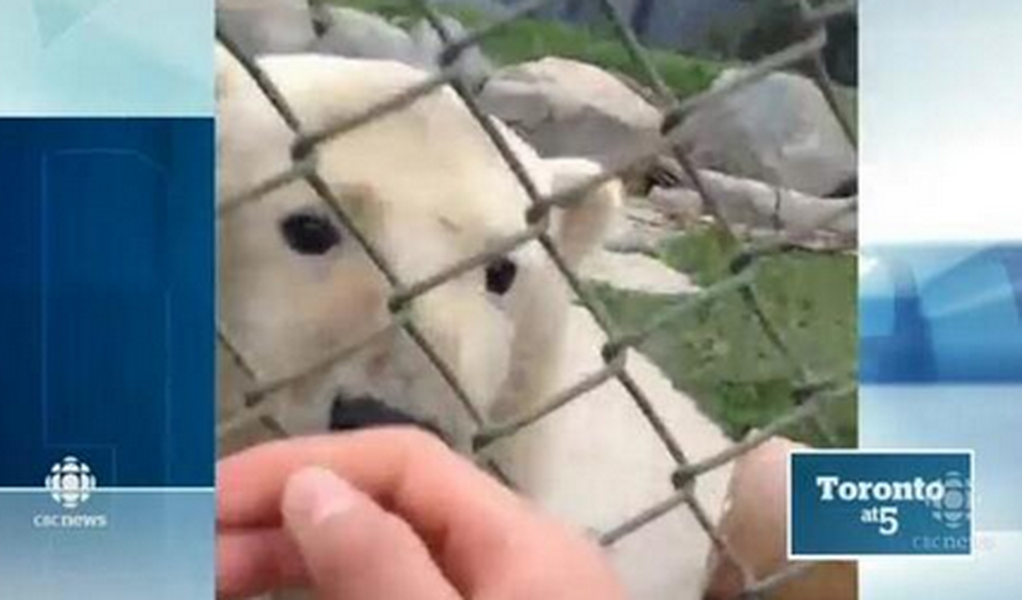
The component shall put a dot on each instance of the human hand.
(390, 514)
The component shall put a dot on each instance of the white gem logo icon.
(70, 482)
(955, 508)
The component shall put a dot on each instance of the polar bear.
(427, 188)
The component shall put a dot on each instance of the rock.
(569, 108)
(637, 273)
(356, 34)
(779, 130)
(261, 27)
(756, 206)
(472, 65)
(681, 204)
(641, 228)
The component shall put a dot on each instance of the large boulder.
(755, 206)
(472, 65)
(569, 108)
(261, 27)
(356, 34)
(779, 130)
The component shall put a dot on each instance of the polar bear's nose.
(500, 275)
(310, 233)
(363, 412)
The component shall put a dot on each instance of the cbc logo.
(954, 506)
(70, 482)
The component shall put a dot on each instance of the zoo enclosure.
(812, 390)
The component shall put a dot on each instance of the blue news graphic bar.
(941, 314)
(107, 299)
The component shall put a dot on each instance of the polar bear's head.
(427, 188)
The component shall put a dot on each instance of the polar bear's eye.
(308, 233)
(500, 275)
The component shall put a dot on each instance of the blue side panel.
(107, 299)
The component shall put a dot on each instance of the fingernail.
(315, 494)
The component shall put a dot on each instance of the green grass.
(719, 354)
(530, 39)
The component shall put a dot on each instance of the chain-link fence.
(813, 391)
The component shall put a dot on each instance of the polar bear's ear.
(583, 227)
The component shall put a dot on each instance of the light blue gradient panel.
(106, 57)
(941, 124)
(156, 545)
(987, 419)
(991, 574)
(940, 120)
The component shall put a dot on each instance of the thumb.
(352, 548)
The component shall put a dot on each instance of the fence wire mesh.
(812, 391)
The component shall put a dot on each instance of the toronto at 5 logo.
(864, 503)
(948, 497)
